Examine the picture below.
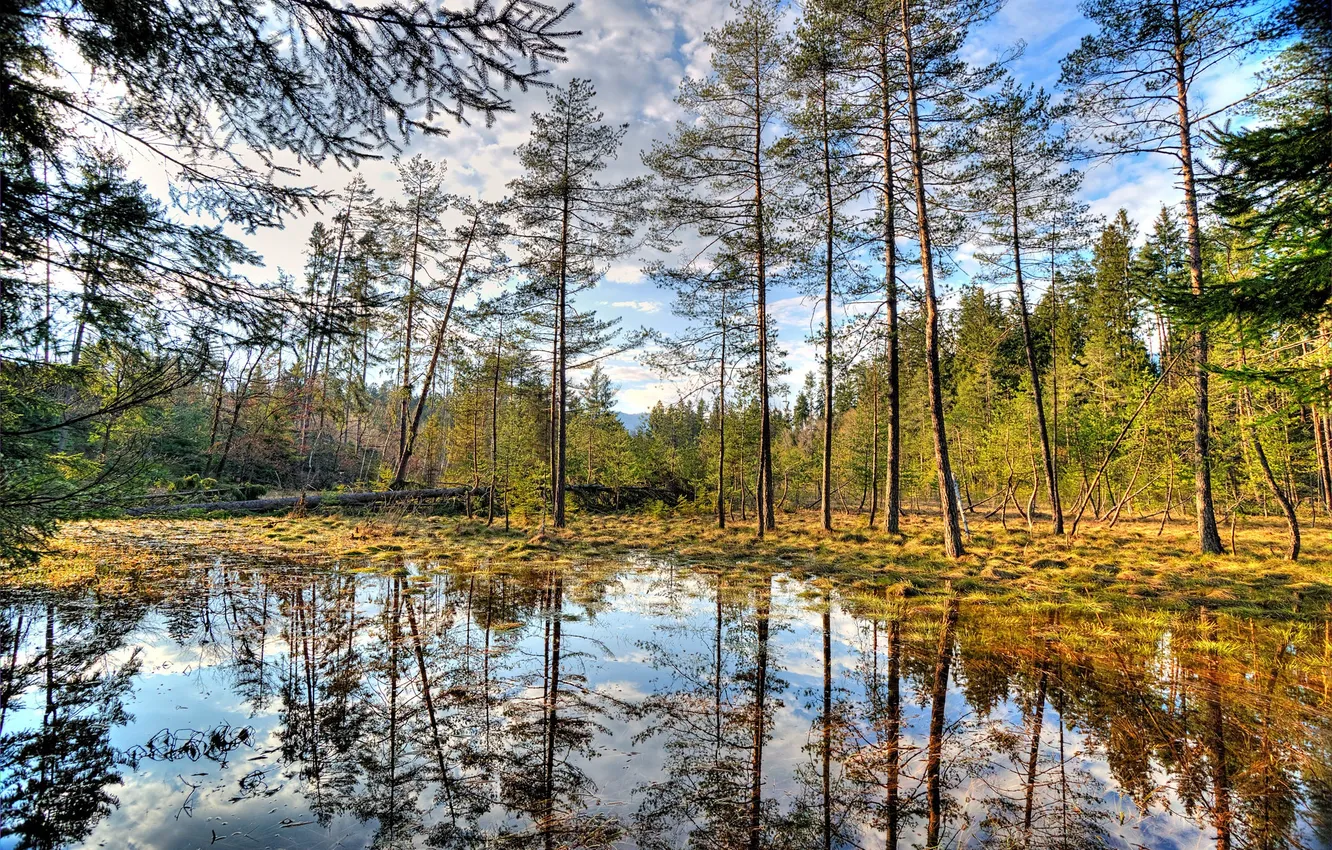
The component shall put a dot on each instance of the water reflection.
(646, 705)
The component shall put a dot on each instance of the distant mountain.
(632, 420)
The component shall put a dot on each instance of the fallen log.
(599, 498)
(314, 500)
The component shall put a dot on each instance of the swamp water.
(645, 704)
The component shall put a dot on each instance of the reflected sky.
(646, 704)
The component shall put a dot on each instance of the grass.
(1127, 566)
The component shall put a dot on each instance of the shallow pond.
(645, 704)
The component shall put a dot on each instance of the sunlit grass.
(1127, 566)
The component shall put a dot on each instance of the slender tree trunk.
(241, 396)
(494, 428)
(551, 709)
(562, 343)
(934, 750)
(1216, 742)
(216, 419)
(1051, 474)
(948, 506)
(829, 225)
(1037, 720)
(764, 508)
(409, 443)
(1209, 539)
(1280, 494)
(721, 424)
(892, 504)
(826, 750)
(406, 391)
(760, 717)
(1324, 465)
(894, 730)
(874, 447)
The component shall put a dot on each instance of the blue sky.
(636, 52)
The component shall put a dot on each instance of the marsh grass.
(1100, 570)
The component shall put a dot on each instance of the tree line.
(1085, 369)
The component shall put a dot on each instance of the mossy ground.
(1130, 564)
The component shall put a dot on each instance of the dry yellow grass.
(1130, 563)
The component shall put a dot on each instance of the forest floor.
(1102, 568)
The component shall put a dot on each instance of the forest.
(985, 344)
(953, 495)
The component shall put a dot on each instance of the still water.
(645, 704)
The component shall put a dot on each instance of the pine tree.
(709, 292)
(932, 36)
(1019, 174)
(569, 223)
(470, 252)
(1135, 79)
(822, 154)
(415, 231)
(719, 176)
(876, 69)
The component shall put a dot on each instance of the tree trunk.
(405, 450)
(1281, 495)
(829, 223)
(1051, 474)
(764, 509)
(494, 428)
(948, 506)
(721, 423)
(894, 730)
(934, 750)
(406, 390)
(760, 716)
(892, 503)
(1209, 539)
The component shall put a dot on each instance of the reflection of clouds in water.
(623, 633)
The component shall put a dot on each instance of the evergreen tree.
(932, 37)
(719, 175)
(1136, 87)
(709, 292)
(1020, 171)
(822, 154)
(569, 224)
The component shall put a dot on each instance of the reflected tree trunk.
(551, 713)
(1037, 721)
(938, 700)
(760, 714)
(894, 731)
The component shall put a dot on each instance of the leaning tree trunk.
(1051, 474)
(405, 454)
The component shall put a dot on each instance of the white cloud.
(638, 306)
(628, 273)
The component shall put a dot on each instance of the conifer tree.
(932, 36)
(415, 230)
(1018, 175)
(1136, 84)
(875, 69)
(470, 252)
(709, 293)
(569, 224)
(720, 177)
(822, 154)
